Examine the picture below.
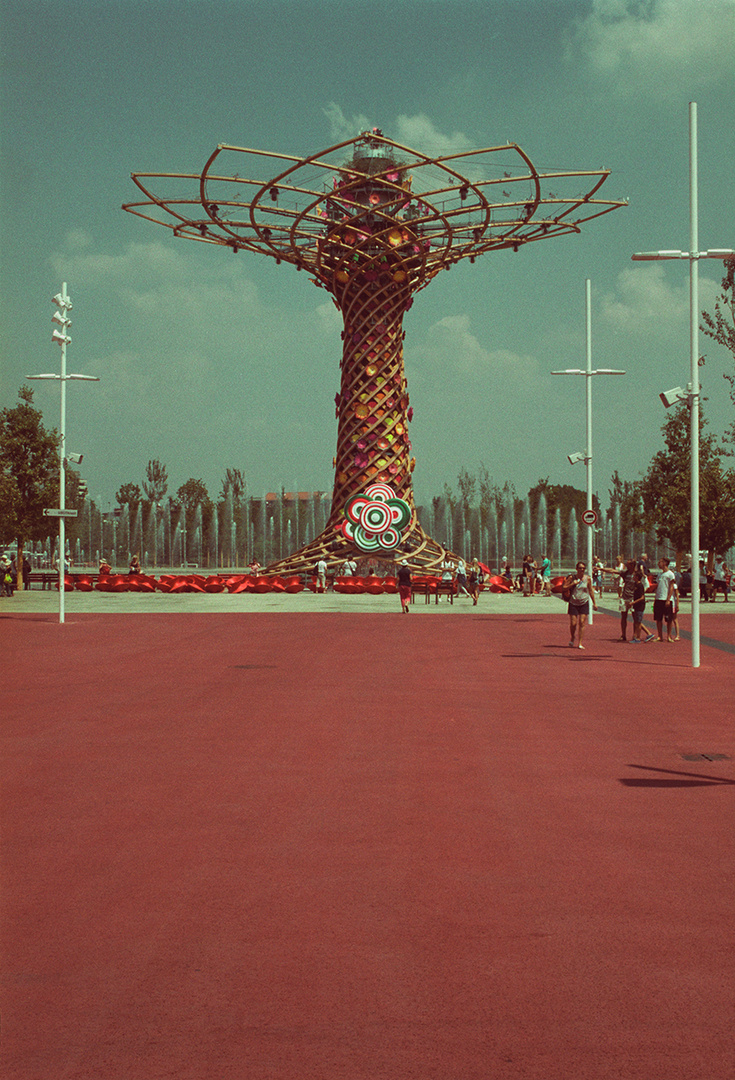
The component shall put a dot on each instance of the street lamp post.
(693, 255)
(588, 372)
(61, 318)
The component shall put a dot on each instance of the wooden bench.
(47, 579)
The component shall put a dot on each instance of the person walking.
(461, 579)
(5, 576)
(582, 592)
(546, 575)
(447, 580)
(474, 580)
(321, 575)
(529, 576)
(404, 586)
(627, 591)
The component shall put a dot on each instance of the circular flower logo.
(375, 521)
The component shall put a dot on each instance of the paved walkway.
(254, 839)
(41, 601)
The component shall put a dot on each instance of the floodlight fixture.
(673, 397)
(655, 256)
(658, 256)
(75, 459)
(574, 458)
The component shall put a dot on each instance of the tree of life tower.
(372, 222)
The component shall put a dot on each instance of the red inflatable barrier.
(215, 585)
(240, 585)
(141, 583)
(112, 583)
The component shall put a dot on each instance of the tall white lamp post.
(590, 518)
(693, 255)
(61, 318)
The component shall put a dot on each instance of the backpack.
(567, 588)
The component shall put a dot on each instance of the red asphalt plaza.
(311, 846)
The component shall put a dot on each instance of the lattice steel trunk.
(373, 443)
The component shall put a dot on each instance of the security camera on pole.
(61, 318)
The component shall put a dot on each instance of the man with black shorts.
(663, 603)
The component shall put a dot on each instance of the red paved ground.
(285, 847)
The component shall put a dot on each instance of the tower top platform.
(370, 194)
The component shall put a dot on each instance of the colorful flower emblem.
(376, 520)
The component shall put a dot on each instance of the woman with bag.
(578, 587)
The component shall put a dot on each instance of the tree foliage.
(233, 484)
(666, 488)
(131, 496)
(29, 471)
(193, 494)
(155, 484)
(625, 499)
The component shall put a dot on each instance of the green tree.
(666, 489)
(191, 495)
(155, 484)
(29, 470)
(564, 498)
(625, 496)
(131, 496)
(467, 483)
(233, 484)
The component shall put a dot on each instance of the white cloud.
(345, 127)
(452, 346)
(420, 131)
(656, 44)
(644, 297)
(651, 300)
